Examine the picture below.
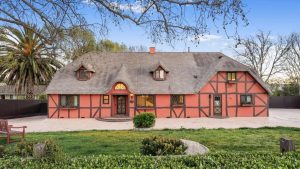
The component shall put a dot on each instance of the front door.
(217, 105)
(121, 105)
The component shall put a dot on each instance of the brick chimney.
(152, 50)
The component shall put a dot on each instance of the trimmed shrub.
(24, 148)
(144, 120)
(52, 151)
(2, 151)
(157, 146)
(223, 160)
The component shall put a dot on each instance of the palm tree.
(25, 60)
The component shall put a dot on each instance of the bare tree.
(163, 20)
(263, 54)
(292, 66)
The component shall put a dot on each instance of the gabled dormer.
(159, 72)
(84, 72)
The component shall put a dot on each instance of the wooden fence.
(287, 102)
(22, 108)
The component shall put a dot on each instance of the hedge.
(215, 160)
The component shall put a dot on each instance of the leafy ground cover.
(86, 143)
(213, 160)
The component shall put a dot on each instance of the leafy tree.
(75, 42)
(110, 46)
(163, 20)
(25, 59)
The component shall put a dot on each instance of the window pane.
(140, 101)
(228, 76)
(177, 99)
(233, 76)
(162, 74)
(63, 101)
(145, 101)
(83, 75)
(249, 99)
(105, 99)
(180, 99)
(149, 101)
(75, 103)
(157, 74)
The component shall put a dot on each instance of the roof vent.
(195, 76)
(220, 57)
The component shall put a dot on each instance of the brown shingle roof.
(188, 72)
(10, 90)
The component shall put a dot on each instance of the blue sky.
(281, 17)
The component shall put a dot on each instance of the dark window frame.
(159, 78)
(174, 101)
(144, 106)
(230, 76)
(244, 101)
(104, 100)
(68, 106)
(87, 74)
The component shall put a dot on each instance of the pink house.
(169, 84)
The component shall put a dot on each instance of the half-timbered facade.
(171, 85)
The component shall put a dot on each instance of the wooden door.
(121, 105)
(217, 105)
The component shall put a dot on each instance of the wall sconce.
(131, 97)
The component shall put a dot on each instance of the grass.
(128, 142)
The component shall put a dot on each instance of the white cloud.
(206, 38)
(136, 7)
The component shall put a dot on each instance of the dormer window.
(84, 72)
(159, 74)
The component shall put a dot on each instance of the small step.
(115, 119)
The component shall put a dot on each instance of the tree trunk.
(29, 93)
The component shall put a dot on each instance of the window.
(177, 99)
(145, 101)
(83, 74)
(105, 99)
(159, 74)
(231, 76)
(246, 99)
(120, 86)
(68, 100)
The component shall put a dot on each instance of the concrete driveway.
(278, 117)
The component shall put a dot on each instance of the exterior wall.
(230, 94)
(195, 105)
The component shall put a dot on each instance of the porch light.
(131, 96)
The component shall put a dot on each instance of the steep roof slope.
(188, 72)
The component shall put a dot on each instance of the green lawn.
(128, 142)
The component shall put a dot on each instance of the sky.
(281, 17)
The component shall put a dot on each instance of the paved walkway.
(278, 117)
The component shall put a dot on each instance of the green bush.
(24, 148)
(144, 120)
(216, 160)
(156, 146)
(52, 149)
(2, 151)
